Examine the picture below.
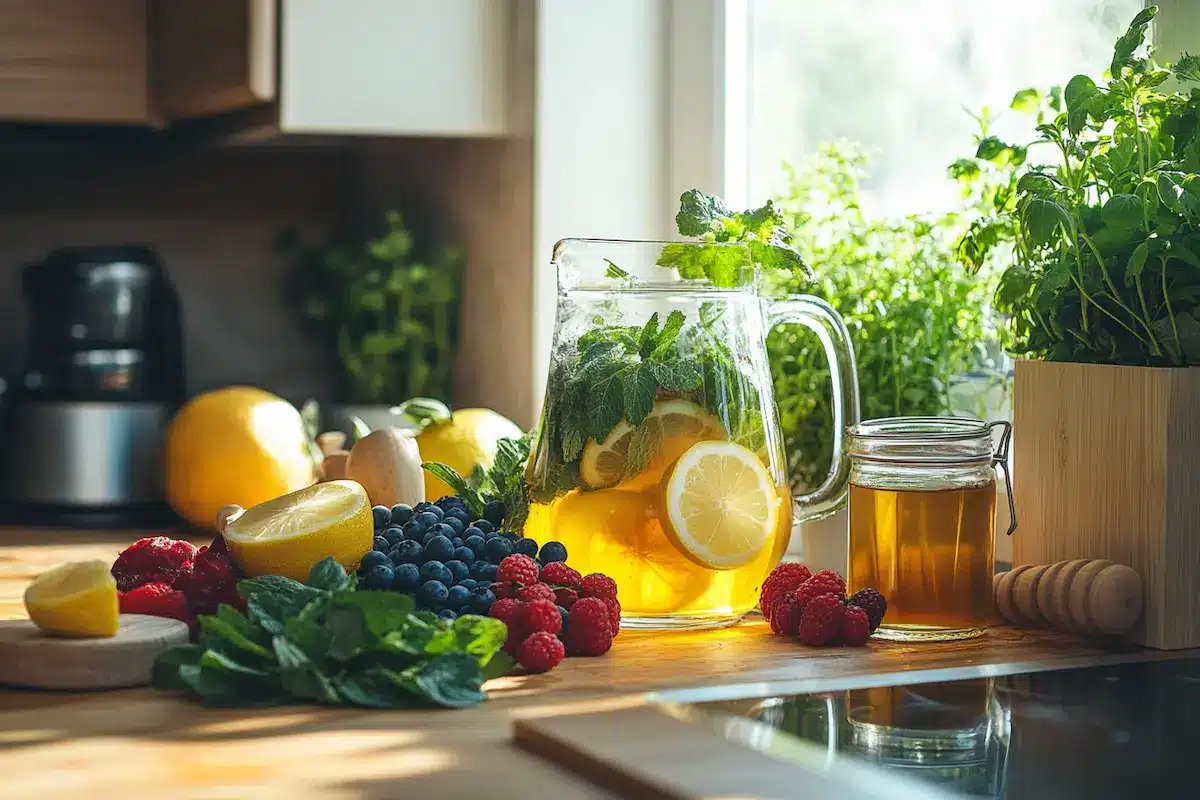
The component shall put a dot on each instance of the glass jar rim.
(937, 429)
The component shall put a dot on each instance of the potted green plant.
(386, 313)
(1103, 304)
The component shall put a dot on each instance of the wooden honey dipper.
(1089, 596)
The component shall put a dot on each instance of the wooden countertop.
(141, 742)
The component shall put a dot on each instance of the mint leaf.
(482, 637)
(648, 338)
(499, 665)
(371, 688)
(348, 632)
(328, 575)
(214, 659)
(640, 390)
(165, 671)
(761, 222)
(644, 446)
(220, 628)
(424, 411)
(615, 272)
(666, 339)
(781, 258)
(605, 401)
(382, 611)
(456, 482)
(299, 676)
(698, 213)
(309, 636)
(572, 443)
(679, 376)
(453, 680)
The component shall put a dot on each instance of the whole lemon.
(236, 445)
(468, 438)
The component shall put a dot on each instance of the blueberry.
(439, 549)
(408, 578)
(446, 613)
(489, 573)
(551, 552)
(464, 554)
(436, 571)
(456, 524)
(414, 530)
(401, 514)
(379, 576)
(477, 570)
(470, 583)
(428, 519)
(487, 537)
(474, 542)
(458, 570)
(527, 547)
(381, 544)
(461, 514)
(382, 515)
(482, 598)
(484, 525)
(457, 541)
(409, 552)
(436, 511)
(457, 596)
(512, 537)
(374, 559)
(566, 617)
(445, 530)
(434, 592)
(494, 511)
(497, 549)
(472, 531)
(422, 506)
(448, 500)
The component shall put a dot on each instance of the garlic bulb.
(387, 463)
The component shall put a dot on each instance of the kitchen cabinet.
(379, 67)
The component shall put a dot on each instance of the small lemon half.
(76, 599)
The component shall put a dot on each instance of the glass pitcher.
(659, 459)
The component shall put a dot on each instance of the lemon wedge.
(290, 534)
(76, 599)
(674, 426)
(720, 506)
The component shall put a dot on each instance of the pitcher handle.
(821, 318)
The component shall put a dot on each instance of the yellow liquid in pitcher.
(617, 531)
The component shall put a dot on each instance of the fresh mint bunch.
(505, 481)
(1107, 248)
(327, 643)
(762, 230)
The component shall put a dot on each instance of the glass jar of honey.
(923, 522)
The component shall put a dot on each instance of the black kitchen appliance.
(103, 374)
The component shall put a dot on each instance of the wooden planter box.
(1107, 465)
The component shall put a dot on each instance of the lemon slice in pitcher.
(720, 506)
(674, 425)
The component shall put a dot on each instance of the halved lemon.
(674, 426)
(290, 534)
(76, 599)
(720, 506)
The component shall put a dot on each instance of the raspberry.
(517, 568)
(785, 614)
(598, 585)
(535, 591)
(564, 596)
(787, 577)
(540, 615)
(213, 580)
(822, 619)
(157, 600)
(590, 631)
(508, 611)
(557, 573)
(158, 559)
(824, 582)
(871, 601)
(540, 652)
(614, 614)
(505, 589)
(856, 627)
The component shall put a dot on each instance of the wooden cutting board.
(30, 658)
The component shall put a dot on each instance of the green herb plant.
(387, 316)
(324, 642)
(613, 374)
(916, 318)
(1107, 251)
